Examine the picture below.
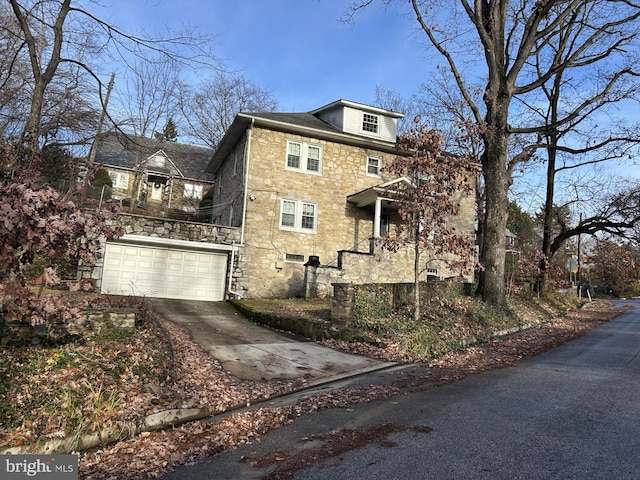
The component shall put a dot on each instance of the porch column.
(376, 218)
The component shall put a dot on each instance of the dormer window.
(157, 160)
(370, 123)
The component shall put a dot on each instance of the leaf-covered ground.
(86, 386)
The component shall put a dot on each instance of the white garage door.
(163, 272)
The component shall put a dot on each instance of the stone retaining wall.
(93, 322)
(378, 300)
(178, 229)
(164, 228)
(380, 267)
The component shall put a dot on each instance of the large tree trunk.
(42, 75)
(548, 215)
(491, 285)
(497, 179)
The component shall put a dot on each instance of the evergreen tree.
(169, 132)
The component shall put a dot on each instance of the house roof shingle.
(119, 150)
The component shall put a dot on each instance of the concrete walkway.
(253, 352)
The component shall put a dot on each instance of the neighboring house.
(307, 189)
(161, 254)
(512, 242)
(156, 174)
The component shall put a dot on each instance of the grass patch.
(450, 319)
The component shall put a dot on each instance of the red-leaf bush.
(37, 224)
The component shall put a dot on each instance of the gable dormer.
(160, 162)
(359, 119)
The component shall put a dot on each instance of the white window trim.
(377, 124)
(297, 221)
(119, 180)
(192, 191)
(304, 157)
(379, 159)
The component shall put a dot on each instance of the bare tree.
(616, 217)
(210, 108)
(69, 111)
(396, 102)
(57, 32)
(506, 35)
(148, 96)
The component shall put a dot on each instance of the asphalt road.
(570, 413)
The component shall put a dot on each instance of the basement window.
(294, 258)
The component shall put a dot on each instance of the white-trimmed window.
(192, 191)
(304, 157)
(374, 164)
(119, 180)
(298, 216)
(369, 123)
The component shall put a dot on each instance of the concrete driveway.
(253, 352)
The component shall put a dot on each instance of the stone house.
(157, 175)
(306, 191)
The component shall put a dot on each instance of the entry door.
(156, 191)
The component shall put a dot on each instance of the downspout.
(247, 154)
(233, 257)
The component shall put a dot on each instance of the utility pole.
(92, 153)
(579, 280)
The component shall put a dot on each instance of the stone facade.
(229, 188)
(268, 250)
(167, 229)
(256, 186)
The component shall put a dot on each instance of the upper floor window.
(304, 157)
(298, 216)
(373, 166)
(192, 191)
(119, 180)
(370, 123)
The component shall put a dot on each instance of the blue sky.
(298, 49)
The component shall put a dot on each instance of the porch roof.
(369, 195)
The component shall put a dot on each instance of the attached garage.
(154, 267)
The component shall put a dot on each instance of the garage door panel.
(164, 272)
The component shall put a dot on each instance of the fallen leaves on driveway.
(200, 382)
